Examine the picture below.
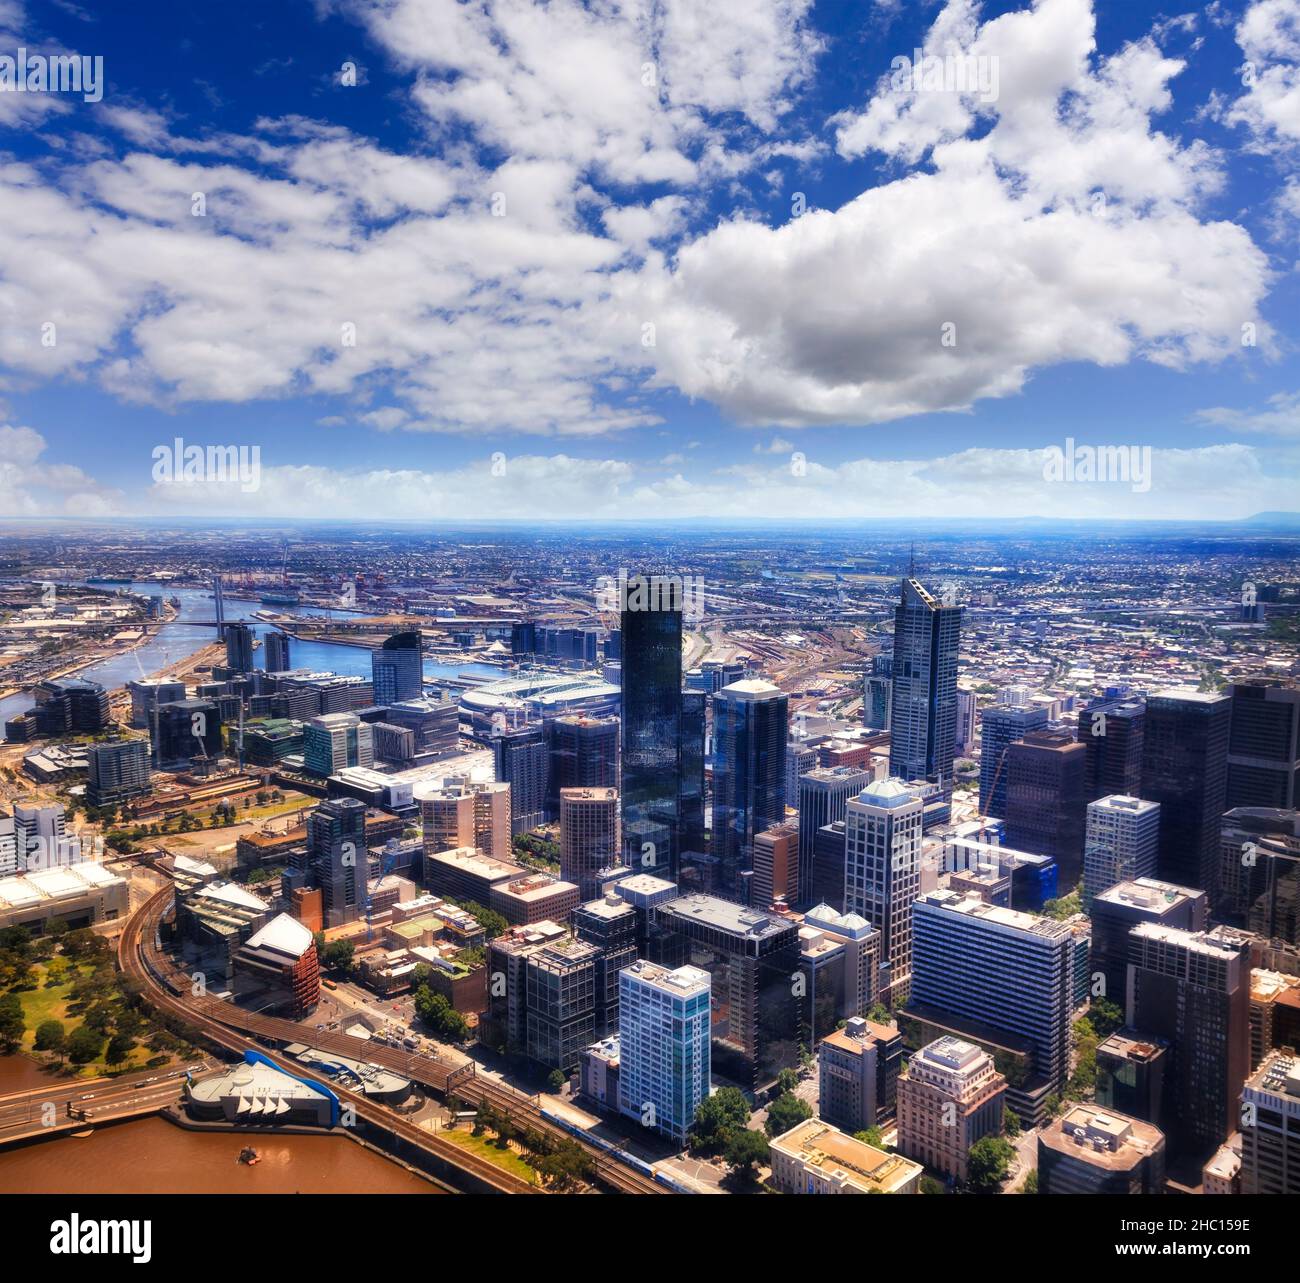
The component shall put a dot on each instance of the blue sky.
(678, 259)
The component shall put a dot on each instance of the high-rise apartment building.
(823, 797)
(750, 730)
(239, 648)
(336, 858)
(877, 693)
(1264, 746)
(590, 841)
(949, 1096)
(923, 708)
(664, 1046)
(967, 704)
(1045, 800)
(275, 652)
(1002, 725)
(1121, 840)
(397, 668)
(1185, 769)
(117, 771)
(521, 758)
(467, 813)
(1192, 988)
(882, 872)
(584, 755)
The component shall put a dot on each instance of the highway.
(222, 1023)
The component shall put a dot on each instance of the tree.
(717, 1118)
(50, 1036)
(929, 1185)
(1030, 1185)
(84, 1045)
(785, 1112)
(556, 1080)
(990, 1160)
(1011, 1123)
(338, 955)
(871, 1136)
(1105, 1016)
(12, 1024)
(744, 1152)
(786, 1080)
(120, 1046)
(879, 1014)
(493, 923)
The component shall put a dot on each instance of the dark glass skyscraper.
(239, 648)
(1264, 751)
(750, 729)
(691, 795)
(1001, 726)
(397, 668)
(1111, 729)
(923, 713)
(1185, 769)
(651, 627)
(277, 652)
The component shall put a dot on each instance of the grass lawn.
(44, 1003)
(505, 1158)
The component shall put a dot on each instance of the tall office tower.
(117, 771)
(1264, 745)
(1112, 729)
(147, 694)
(829, 843)
(1045, 800)
(40, 837)
(590, 840)
(239, 648)
(882, 872)
(750, 729)
(692, 792)
(397, 668)
(751, 958)
(336, 858)
(1001, 976)
(857, 1070)
(466, 813)
(965, 735)
(1120, 843)
(185, 730)
(1270, 1132)
(218, 606)
(521, 758)
(1185, 769)
(664, 1046)
(651, 727)
(923, 708)
(584, 755)
(823, 797)
(1192, 988)
(800, 758)
(776, 867)
(949, 1096)
(560, 989)
(1086, 1151)
(610, 924)
(276, 652)
(614, 644)
(1001, 726)
(1259, 872)
(1116, 911)
(335, 741)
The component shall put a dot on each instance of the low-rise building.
(1087, 1151)
(816, 1158)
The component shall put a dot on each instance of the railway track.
(140, 956)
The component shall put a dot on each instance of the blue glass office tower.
(923, 711)
(1001, 726)
(397, 669)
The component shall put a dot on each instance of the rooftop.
(868, 1169)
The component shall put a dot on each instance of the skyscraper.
(1192, 988)
(1045, 803)
(589, 837)
(877, 692)
(664, 1046)
(1259, 872)
(1264, 748)
(1270, 1133)
(1185, 769)
(1002, 971)
(923, 710)
(882, 872)
(336, 857)
(750, 728)
(1002, 725)
(239, 648)
(521, 758)
(1111, 730)
(276, 652)
(336, 740)
(651, 628)
(584, 755)
(690, 796)
(776, 866)
(117, 771)
(397, 668)
(1120, 843)
(823, 797)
